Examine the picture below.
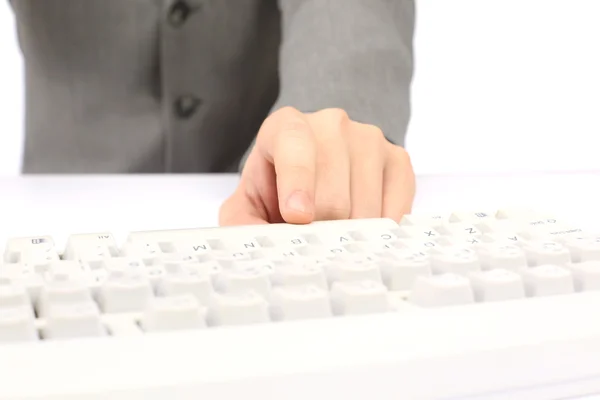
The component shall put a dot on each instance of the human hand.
(320, 166)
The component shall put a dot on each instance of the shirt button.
(186, 105)
(179, 13)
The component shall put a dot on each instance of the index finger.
(287, 141)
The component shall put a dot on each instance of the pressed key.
(496, 285)
(171, 313)
(300, 302)
(73, 320)
(359, 297)
(441, 290)
(547, 280)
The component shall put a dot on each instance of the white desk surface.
(60, 205)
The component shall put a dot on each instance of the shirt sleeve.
(356, 55)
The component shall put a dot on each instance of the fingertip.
(298, 208)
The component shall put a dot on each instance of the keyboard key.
(359, 297)
(441, 290)
(125, 291)
(73, 320)
(237, 308)
(582, 248)
(496, 285)
(91, 248)
(586, 275)
(25, 276)
(456, 260)
(246, 276)
(12, 294)
(300, 274)
(546, 252)
(30, 250)
(547, 280)
(17, 324)
(176, 312)
(500, 255)
(62, 289)
(194, 279)
(340, 271)
(400, 268)
(300, 302)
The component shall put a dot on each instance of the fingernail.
(299, 202)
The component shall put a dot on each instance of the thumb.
(238, 210)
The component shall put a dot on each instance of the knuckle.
(376, 132)
(294, 127)
(338, 115)
(399, 153)
(369, 138)
(287, 111)
(294, 134)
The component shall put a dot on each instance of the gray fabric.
(141, 86)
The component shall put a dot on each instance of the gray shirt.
(151, 86)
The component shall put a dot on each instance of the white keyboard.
(487, 304)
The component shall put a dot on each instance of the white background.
(500, 85)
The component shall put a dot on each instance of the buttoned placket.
(183, 105)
